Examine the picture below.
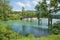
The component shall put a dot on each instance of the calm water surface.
(31, 27)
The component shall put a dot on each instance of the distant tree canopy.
(5, 8)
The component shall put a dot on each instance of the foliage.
(51, 37)
(30, 14)
(45, 9)
(56, 28)
(6, 33)
(5, 8)
(41, 10)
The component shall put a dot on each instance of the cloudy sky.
(28, 4)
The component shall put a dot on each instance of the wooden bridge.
(56, 16)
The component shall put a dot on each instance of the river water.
(31, 27)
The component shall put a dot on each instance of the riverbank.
(51, 37)
(33, 18)
(30, 37)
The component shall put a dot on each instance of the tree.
(23, 13)
(38, 11)
(55, 8)
(32, 14)
(42, 8)
(5, 8)
(1, 10)
(56, 28)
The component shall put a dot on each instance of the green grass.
(51, 37)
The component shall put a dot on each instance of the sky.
(28, 4)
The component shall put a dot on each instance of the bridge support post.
(50, 22)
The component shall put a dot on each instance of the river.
(31, 27)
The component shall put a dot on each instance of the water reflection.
(32, 27)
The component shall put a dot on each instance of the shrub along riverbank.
(6, 33)
(51, 37)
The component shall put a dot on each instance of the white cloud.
(48, 2)
(27, 4)
(30, 4)
(35, 2)
(20, 4)
(58, 4)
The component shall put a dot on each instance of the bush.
(6, 33)
(56, 28)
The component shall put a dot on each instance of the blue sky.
(18, 4)
(28, 4)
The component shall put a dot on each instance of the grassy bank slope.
(51, 37)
